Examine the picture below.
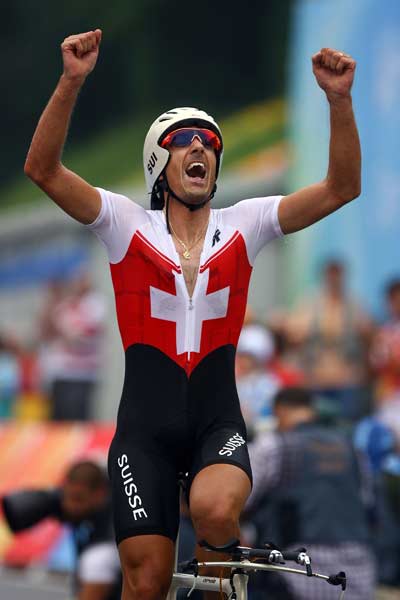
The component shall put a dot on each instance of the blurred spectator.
(9, 377)
(308, 490)
(71, 332)
(385, 349)
(82, 502)
(288, 373)
(377, 440)
(256, 384)
(330, 334)
(32, 403)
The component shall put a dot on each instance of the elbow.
(32, 171)
(37, 174)
(354, 193)
(351, 195)
(345, 194)
(354, 190)
(29, 170)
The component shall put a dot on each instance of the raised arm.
(43, 164)
(334, 72)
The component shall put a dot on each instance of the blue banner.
(366, 232)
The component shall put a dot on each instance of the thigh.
(225, 444)
(145, 490)
(219, 480)
(221, 488)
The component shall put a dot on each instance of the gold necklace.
(186, 250)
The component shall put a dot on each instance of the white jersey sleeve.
(99, 564)
(257, 220)
(116, 223)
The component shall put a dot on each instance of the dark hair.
(392, 287)
(334, 264)
(294, 397)
(88, 473)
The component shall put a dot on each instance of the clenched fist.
(80, 54)
(334, 72)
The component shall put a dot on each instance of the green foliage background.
(155, 54)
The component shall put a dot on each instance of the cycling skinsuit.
(179, 410)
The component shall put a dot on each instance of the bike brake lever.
(338, 579)
(189, 566)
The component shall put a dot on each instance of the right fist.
(80, 54)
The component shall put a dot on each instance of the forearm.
(344, 170)
(44, 156)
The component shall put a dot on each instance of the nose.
(196, 144)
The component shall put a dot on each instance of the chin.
(195, 192)
(196, 195)
(196, 199)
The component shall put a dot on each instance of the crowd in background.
(348, 364)
(322, 378)
(54, 376)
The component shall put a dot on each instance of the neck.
(186, 224)
(335, 294)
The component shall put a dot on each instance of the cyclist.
(181, 273)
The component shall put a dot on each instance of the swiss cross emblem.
(189, 315)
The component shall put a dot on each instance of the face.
(334, 278)
(245, 364)
(80, 501)
(191, 171)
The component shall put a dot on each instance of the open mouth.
(196, 170)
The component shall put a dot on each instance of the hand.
(334, 72)
(80, 54)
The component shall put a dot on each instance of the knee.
(145, 582)
(215, 522)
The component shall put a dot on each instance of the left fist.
(334, 71)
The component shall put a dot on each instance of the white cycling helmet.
(155, 158)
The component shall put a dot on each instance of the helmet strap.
(164, 185)
(167, 214)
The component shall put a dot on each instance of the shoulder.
(256, 219)
(117, 222)
(115, 207)
(253, 205)
(255, 216)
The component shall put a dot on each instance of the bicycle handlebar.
(291, 555)
(272, 555)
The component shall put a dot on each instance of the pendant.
(186, 254)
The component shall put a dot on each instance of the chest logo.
(189, 315)
(216, 237)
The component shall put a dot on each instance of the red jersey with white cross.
(152, 300)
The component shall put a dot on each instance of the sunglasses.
(185, 136)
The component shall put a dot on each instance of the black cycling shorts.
(169, 424)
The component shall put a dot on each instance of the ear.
(162, 182)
